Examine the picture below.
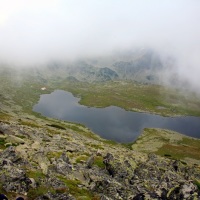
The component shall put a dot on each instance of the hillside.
(44, 158)
(49, 159)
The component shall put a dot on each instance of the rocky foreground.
(42, 161)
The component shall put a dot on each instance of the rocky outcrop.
(43, 168)
(155, 179)
(13, 177)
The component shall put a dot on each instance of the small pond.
(112, 122)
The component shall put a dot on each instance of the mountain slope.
(45, 158)
(42, 158)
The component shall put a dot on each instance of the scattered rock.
(15, 180)
(90, 161)
(62, 165)
(33, 183)
(39, 164)
(14, 140)
(50, 196)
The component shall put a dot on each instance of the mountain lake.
(112, 123)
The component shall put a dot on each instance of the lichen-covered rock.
(12, 177)
(9, 154)
(90, 161)
(14, 140)
(50, 196)
(5, 129)
(33, 183)
(39, 169)
(56, 183)
(62, 165)
(15, 180)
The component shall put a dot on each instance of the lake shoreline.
(103, 115)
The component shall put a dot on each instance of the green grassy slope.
(169, 144)
(136, 97)
(26, 90)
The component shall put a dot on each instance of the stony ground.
(40, 159)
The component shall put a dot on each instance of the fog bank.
(34, 32)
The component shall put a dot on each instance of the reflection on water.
(112, 122)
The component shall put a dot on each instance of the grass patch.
(57, 126)
(179, 151)
(52, 154)
(168, 144)
(21, 136)
(26, 123)
(186, 147)
(96, 146)
(2, 143)
(75, 190)
(52, 132)
(81, 158)
(41, 190)
(190, 142)
(91, 135)
(37, 175)
(110, 142)
(98, 161)
(4, 116)
(197, 183)
(34, 193)
(75, 128)
(128, 145)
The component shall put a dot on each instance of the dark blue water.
(112, 123)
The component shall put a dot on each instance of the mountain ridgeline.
(143, 66)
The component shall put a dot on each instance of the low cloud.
(34, 32)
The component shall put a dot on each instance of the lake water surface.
(112, 123)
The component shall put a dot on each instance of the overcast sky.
(38, 30)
